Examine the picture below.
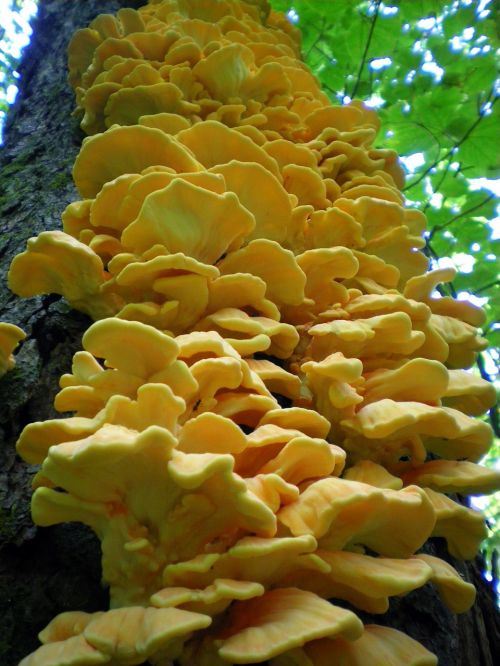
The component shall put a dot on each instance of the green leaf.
(444, 246)
(417, 9)
(494, 338)
(435, 107)
(412, 137)
(473, 231)
(409, 60)
(452, 186)
(455, 24)
(479, 152)
(483, 272)
(482, 72)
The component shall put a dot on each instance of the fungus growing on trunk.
(271, 405)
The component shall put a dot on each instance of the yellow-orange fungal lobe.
(272, 403)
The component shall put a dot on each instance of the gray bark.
(46, 571)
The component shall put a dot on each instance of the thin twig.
(429, 251)
(329, 89)
(485, 287)
(322, 53)
(443, 176)
(431, 254)
(451, 150)
(367, 47)
(319, 37)
(439, 227)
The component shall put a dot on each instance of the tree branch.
(451, 150)
(485, 287)
(443, 176)
(367, 47)
(431, 254)
(322, 52)
(319, 37)
(439, 227)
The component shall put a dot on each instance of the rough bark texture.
(46, 571)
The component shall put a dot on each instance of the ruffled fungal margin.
(272, 405)
(211, 499)
(10, 337)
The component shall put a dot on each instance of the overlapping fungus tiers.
(193, 62)
(245, 247)
(184, 245)
(219, 512)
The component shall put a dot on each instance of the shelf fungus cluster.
(272, 405)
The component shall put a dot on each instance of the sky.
(15, 34)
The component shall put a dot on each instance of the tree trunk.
(47, 571)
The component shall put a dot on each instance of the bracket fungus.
(271, 406)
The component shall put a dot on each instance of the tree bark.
(47, 571)
(42, 571)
